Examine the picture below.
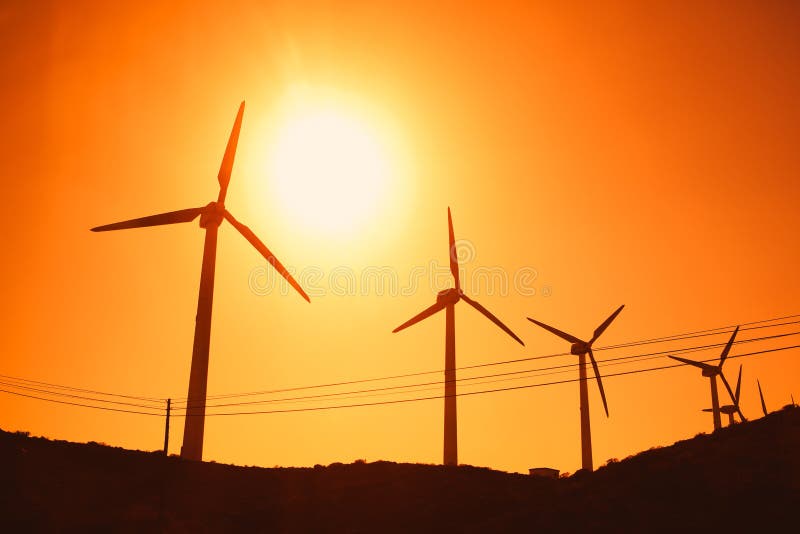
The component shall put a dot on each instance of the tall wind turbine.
(731, 409)
(211, 217)
(580, 349)
(761, 396)
(712, 371)
(446, 300)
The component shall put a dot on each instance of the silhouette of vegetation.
(737, 478)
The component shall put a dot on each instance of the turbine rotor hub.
(579, 348)
(212, 214)
(448, 296)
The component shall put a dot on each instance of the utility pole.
(166, 429)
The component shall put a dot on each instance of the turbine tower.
(712, 371)
(446, 300)
(211, 217)
(731, 409)
(580, 349)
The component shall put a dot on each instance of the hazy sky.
(639, 155)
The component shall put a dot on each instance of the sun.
(328, 168)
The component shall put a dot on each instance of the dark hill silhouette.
(740, 477)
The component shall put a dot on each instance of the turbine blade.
(733, 399)
(708, 409)
(701, 365)
(171, 217)
(492, 318)
(556, 331)
(225, 168)
(761, 395)
(738, 387)
(728, 387)
(269, 256)
(599, 380)
(424, 314)
(727, 348)
(602, 328)
(453, 254)
(741, 415)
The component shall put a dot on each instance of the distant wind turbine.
(761, 396)
(446, 300)
(731, 409)
(581, 348)
(712, 371)
(211, 217)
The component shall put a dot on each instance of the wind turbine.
(712, 371)
(761, 395)
(446, 300)
(581, 348)
(211, 216)
(730, 409)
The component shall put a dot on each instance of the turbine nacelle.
(212, 214)
(447, 296)
(580, 348)
(712, 371)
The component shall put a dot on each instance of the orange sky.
(644, 156)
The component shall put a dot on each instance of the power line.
(707, 332)
(81, 397)
(95, 392)
(676, 337)
(398, 401)
(381, 392)
(469, 393)
(341, 395)
(77, 403)
(569, 366)
(509, 376)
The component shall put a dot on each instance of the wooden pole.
(166, 429)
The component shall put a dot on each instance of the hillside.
(746, 476)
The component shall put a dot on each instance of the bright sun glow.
(328, 168)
